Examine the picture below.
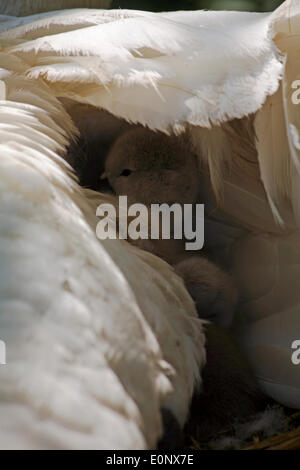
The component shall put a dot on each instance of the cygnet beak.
(104, 176)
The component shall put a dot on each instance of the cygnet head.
(151, 167)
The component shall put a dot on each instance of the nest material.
(280, 431)
(285, 441)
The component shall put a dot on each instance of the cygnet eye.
(126, 172)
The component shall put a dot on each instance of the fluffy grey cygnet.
(212, 290)
(150, 167)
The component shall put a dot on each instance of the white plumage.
(173, 61)
(191, 71)
(94, 331)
